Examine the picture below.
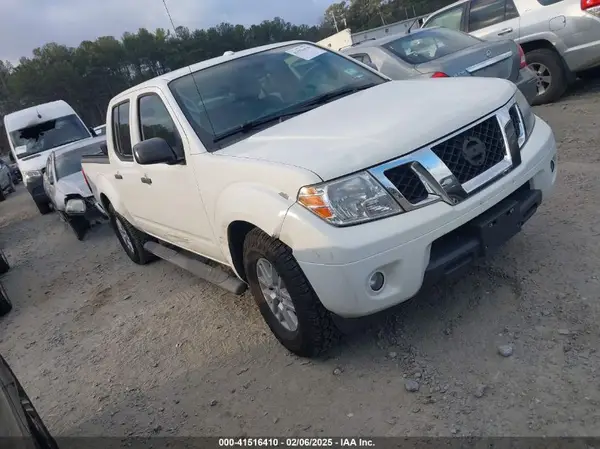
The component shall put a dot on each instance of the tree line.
(89, 75)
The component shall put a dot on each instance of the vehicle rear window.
(548, 2)
(428, 45)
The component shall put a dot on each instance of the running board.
(210, 274)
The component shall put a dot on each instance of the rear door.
(493, 19)
(452, 18)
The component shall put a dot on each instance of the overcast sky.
(27, 24)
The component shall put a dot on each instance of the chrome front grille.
(473, 151)
(457, 166)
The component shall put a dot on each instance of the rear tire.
(315, 331)
(44, 207)
(4, 265)
(12, 189)
(5, 304)
(547, 63)
(132, 240)
(2, 195)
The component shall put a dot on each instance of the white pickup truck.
(328, 189)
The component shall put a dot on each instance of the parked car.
(100, 130)
(7, 184)
(441, 52)
(14, 169)
(67, 190)
(332, 192)
(21, 425)
(5, 303)
(561, 38)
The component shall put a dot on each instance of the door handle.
(118, 176)
(146, 180)
(505, 31)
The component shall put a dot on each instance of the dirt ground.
(105, 347)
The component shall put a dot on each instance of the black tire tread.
(138, 238)
(43, 207)
(4, 265)
(559, 84)
(5, 304)
(319, 329)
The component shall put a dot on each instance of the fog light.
(376, 281)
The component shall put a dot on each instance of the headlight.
(527, 115)
(32, 174)
(75, 206)
(351, 200)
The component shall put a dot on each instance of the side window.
(363, 57)
(485, 13)
(451, 18)
(120, 128)
(155, 121)
(49, 169)
(510, 11)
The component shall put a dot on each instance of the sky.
(27, 24)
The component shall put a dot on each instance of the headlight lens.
(75, 206)
(32, 174)
(528, 116)
(351, 200)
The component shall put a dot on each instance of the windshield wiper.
(292, 111)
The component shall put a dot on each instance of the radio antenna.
(190, 70)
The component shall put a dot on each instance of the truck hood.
(374, 125)
(74, 184)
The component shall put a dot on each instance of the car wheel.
(12, 189)
(285, 298)
(2, 195)
(5, 304)
(4, 265)
(550, 73)
(44, 207)
(132, 240)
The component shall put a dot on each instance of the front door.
(166, 200)
(493, 19)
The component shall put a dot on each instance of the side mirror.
(154, 151)
(373, 66)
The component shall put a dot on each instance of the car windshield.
(428, 45)
(69, 162)
(47, 135)
(227, 96)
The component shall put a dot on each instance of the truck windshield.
(70, 162)
(227, 97)
(47, 135)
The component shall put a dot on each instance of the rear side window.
(451, 18)
(120, 128)
(485, 13)
(426, 46)
(155, 121)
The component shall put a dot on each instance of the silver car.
(6, 180)
(561, 38)
(67, 189)
(441, 52)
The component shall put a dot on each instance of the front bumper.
(527, 84)
(339, 261)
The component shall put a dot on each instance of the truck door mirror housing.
(154, 151)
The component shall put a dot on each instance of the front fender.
(254, 203)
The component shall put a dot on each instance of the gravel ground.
(105, 347)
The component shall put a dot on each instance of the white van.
(33, 133)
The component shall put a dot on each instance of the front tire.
(43, 206)
(289, 299)
(132, 240)
(4, 265)
(552, 80)
(5, 304)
